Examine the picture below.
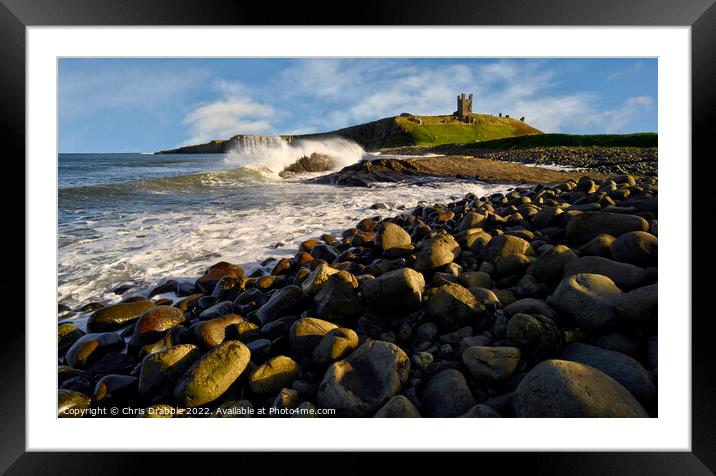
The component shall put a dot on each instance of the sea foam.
(276, 153)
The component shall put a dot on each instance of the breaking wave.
(276, 153)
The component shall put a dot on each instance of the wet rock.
(217, 310)
(169, 286)
(88, 349)
(284, 266)
(213, 332)
(624, 275)
(477, 240)
(114, 363)
(587, 299)
(115, 317)
(364, 381)
(213, 275)
(491, 364)
(155, 323)
(306, 333)
(189, 303)
(114, 389)
(185, 288)
(92, 306)
(618, 366)
(229, 287)
(637, 247)
(337, 344)
(274, 375)
(317, 279)
(260, 349)
(585, 226)
(213, 374)
(174, 336)
(288, 300)
(537, 337)
(67, 334)
(338, 300)
(71, 404)
(472, 220)
(398, 291)
(446, 395)
(161, 370)
(453, 306)
(398, 407)
(562, 389)
(325, 252)
(436, 252)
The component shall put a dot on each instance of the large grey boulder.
(213, 374)
(588, 299)
(454, 306)
(585, 226)
(390, 236)
(491, 364)
(637, 247)
(436, 252)
(562, 389)
(363, 382)
(550, 265)
(398, 291)
(624, 275)
(622, 368)
(446, 395)
(502, 246)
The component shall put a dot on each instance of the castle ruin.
(464, 107)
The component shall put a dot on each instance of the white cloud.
(616, 119)
(227, 117)
(330, 94)
(508, 87)
(327, 78)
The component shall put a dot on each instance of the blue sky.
(143, 105)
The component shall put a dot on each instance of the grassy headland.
(397, 131)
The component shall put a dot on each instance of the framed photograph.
(360, 235)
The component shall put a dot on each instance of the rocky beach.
(538, 301)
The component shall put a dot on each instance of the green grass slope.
(438, 130)
(639, 140)
(403, 130)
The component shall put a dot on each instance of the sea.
(133, 220)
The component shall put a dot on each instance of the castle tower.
(464, 106)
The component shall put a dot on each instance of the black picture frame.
(700, 15)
